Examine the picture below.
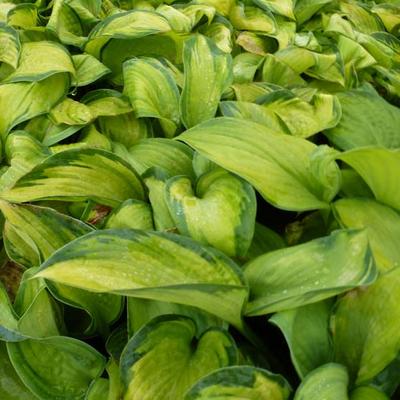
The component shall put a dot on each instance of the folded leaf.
(173, 157)
(328, 382)
(42, 231)
(309, 272)
(277, 165)
(22, 101)
(78, 174)
(132, 214)
(380, 169)
(181, 358)
(88, 69)
(57, 367)
(151, 265)
(368, 120)
(220, 212)
(8, 320)
(366, 328)
(208, 73)
(153, 92)
(10, 46)
(242, 382)
(381, 223)
(306, 330)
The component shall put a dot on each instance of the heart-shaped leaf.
(220, 212)
(181, 358)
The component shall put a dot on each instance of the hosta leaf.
(305, 9)
(220, 211)
(71, 112)
(277, 165)
(306, 330)
(380, 169)
(156, 181)
(142, 311)
(151, 265)
(79, 174)
(264, 240)
(382, 224)
(368, 393)
(181, 358)
(8, 320)
(278, 72)
(253, 112)
(245, 66)
(242, 382)
(281, 7)
(208, 73)
(24, 100)
(41, 231)
(366, 328)
(10, 46)
(328, 382)
(98, 390)
(173, 157)
(23, 153)
(11, 386)
(57, 367)
(153, 92)
(250, 18)
(133, 214)
(303, 118)
(88, 69)
(368, 120)
(309, 272)
(39, 60)
(221, 34)
(126, 25)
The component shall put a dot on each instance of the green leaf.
(42, 231)
(88, 69)
(208, 73)
(142, 311)
(71, 112)
(278, 72)
(11, 386)
(153, 92)
(281, 7)
(328, 382)
(181, 358)
(98, 390)
(156, 180)
(306, 330)
(132, 214)
(8, 320)
(78, 174)
(23, 153)
(368, 120)
(367, 393)
(57, 367)
(151, 265)
(250, 18)
(173, 157)
(241, 382)
(381, 223)
(219, 212)
(366, 328)
(277, 165)
(305, 9)
(309, 272)
(380, 169)
(39, 60)
(22, 101)
(10, 46)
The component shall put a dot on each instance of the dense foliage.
(200, 200)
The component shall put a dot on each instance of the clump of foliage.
(200, 200)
